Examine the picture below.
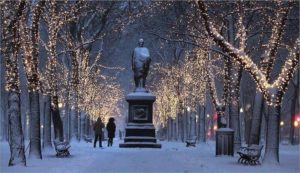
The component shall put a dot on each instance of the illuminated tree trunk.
(10, 52)
(35, 131)
(256, 119)
(31, 68)
(16, 138)
(235, 73)
(47, 122)
(272, 143)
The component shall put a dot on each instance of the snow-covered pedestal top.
(140, 96)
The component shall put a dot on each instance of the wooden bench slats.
(61, 148)
(250, 155)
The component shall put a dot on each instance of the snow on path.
(173, 157)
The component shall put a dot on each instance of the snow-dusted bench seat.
(61, 148)
(191, 142)
(250, 155)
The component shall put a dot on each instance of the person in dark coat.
(98, 132)
(111, 128)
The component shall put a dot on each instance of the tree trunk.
(66, 121)
(202, 132)
(3, 102)
(256, 119)
(16, 141)
(294, 108)
(86, 127)
(35, 126)
(263, 129)
(47, 122)
(57, 122)
(234, 119)
(192, 124)
(184, 126)
(82, 124)
(272, 142)
(169, 128)
(76, 119)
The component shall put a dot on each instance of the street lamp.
(60, 105)
(281, 123)
(241, 110)
(296, 124)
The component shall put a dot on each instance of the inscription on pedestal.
(140, 112)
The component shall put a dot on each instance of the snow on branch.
(241, 56)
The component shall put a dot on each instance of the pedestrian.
(111, 128)
(98, 132)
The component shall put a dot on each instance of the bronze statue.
(140, 65)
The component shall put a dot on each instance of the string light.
(278, 86)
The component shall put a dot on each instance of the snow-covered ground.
(172, 157)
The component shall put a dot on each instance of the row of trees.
(203, 50)
(70, 80)
(235, 37)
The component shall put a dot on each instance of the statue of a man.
(140, 65)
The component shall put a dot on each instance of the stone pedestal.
(140, 131)
(224, 142)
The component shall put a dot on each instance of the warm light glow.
(60, 105)
(296, 123)
(241, 110)
(215, 127)
(281, 123)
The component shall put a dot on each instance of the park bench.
(191, 142)
(87, 139)
(250, 155)
(61, 148)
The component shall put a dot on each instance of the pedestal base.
(140, 131)
(140, 135)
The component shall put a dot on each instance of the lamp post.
(281, 130)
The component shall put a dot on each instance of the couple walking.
(110, 127)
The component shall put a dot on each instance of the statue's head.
(141, 42)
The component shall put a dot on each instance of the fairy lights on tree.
(10, 21)
(273, 92)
